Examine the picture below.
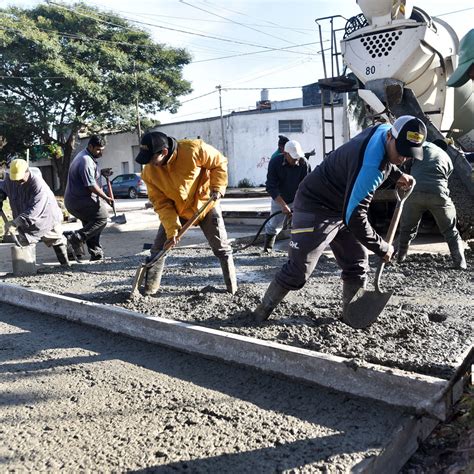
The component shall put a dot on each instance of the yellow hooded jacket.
(179, 188)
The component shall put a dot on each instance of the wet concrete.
(79, 399)
(425, 328)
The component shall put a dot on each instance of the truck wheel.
(132, 193)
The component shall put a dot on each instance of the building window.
(290, 126)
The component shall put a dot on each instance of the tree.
(77, 69)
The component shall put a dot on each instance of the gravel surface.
(79, 399)
(425, 328)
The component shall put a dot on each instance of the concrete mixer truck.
(401, 59)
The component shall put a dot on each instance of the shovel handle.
(402, 195)
(111, 195)
(181, 232)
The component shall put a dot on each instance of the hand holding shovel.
(366, 306)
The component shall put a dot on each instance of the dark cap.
(282, 140)
(409, 133)
(151, 143)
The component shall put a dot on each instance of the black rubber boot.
(61, 254)
(402, 252)
(349, 289)
(269, 242)
(273, 297)
(457, 254)
(228, 270)
(76, 241)
(153, 277)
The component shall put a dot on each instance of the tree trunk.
(62, 164)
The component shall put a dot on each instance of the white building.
(250, 139)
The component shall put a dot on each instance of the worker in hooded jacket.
(181, 175)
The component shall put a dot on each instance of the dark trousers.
(94, 219)
(214, 230)
(310, 235)
(442, 209)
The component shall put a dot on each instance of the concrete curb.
(423, 394)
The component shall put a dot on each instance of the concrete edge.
(393, 386)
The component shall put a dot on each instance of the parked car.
(127, 185)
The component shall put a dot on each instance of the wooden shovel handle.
(181, 232)
(402, 196)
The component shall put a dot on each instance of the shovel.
(117, 219)
(366, 306)
(5, 220)
(142, 269)
(23, 256)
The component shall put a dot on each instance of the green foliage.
(74, 68)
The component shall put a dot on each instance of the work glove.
(216, 195)
(11, 228)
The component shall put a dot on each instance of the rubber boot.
(457, 254)
(228, 270)
(273, 297)
(76, 241)
(349, 289)
(153, 277)
(269, 242)
(61, 254)
(402, 254)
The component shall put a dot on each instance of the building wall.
(251, 139)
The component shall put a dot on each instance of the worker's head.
(281, 142)
(19, 171)
(154, 148)
(465, 69)
(292, 152)
(96, 145)
(405, 140)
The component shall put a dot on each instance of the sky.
(231, 42)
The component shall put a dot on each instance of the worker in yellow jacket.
(181, 175)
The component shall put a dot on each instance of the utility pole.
(139, 129)
(224, 144)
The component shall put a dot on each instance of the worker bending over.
(36, 213)
(181, 175)
(330, 209)
(431, 194)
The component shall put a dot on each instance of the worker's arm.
(214, 161)
(163, 206)
(94, 189)
(359, 194)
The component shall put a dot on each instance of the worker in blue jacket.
(331, 204)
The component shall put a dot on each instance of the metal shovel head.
(365, 307)
(119, 219)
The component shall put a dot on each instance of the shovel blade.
(365, 307)
(137, 280)
(119, 219)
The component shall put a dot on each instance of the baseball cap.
(409, 133)
(466, 58)
(293, 148)
(18, 169)
(151, 143)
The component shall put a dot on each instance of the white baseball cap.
(293, 148)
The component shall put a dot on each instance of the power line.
(236, 22)
(173, 29)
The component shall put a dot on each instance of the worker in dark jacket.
(84, 199)
(36, 213)
(330, 209)
(431, 194)
(286, 170)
